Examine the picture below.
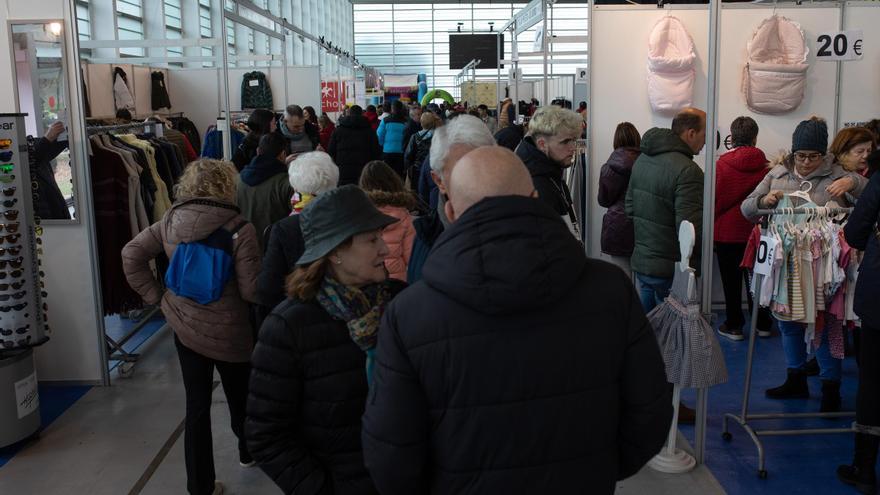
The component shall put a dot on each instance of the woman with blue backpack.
(313, 359)
(211, 279)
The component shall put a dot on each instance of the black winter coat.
(50, 203)
(617, 228)
(510, 136)
(284, 248)
(352, 145)
(547, 177)
(516, 366)
(307, 392)
(246, 151)
(861, 234)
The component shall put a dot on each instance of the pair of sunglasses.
(12, 228)
(16, 307)
(6, 156)
(6, 179)
(13, 286)
(7, 168)
(13, 238)
(13, 274)
(5, 144)
(20, 331)
(14, 263)
(16, 296)
(13, 251)
(20, 342)
(9, 203)
(9, 191)
(11, 214)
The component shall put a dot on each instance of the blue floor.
(796, 464)
(55, 399)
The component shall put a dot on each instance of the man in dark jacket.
(414, 124)
(50, 202)
(263, 191)
(510, 136)
(488, 379)
(547, 151)
(352, 145)
(666, 188)
(302, 136)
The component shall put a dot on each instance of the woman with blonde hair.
(312, 362)
(210, 320)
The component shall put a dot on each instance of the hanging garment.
(87, 108)
(121, 93)
(688, 343)
(255, 91)
(671, 58)
(159, 96)
(775, 73)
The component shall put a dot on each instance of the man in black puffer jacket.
(352, 145)
(517, 365)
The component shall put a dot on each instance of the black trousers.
(868, 397)
(395, 161)
(730, 256)
(198, 375)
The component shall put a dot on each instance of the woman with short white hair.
(311, 175)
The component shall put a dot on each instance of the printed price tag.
(26, 397)
(253, 83)
(764, 257)
(840, 45)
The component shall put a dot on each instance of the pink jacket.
(399, 237)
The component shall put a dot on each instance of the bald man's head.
(483, 173)
(690, 125)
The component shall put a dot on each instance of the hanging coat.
(255, 91)
(159, 94)
(121, 94)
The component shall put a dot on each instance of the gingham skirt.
(689, 346)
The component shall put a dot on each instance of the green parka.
(666, 188)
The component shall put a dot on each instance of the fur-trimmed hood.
(402, 199)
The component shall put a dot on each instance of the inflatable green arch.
(437, 93)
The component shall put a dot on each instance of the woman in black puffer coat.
(617, 229)
(352, 145)
(312, 363)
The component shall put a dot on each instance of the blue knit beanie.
(810, 135)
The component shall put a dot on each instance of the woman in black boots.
(861, 233)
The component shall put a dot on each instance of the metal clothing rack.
(744, 419)
(156, 127)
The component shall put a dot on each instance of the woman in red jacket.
(737, 174)
(327, 127)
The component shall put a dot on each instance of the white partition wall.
(860, 80)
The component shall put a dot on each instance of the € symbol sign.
(857, 47)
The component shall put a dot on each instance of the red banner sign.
(331, 100)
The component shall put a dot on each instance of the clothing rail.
(157, 127)
(744, 418)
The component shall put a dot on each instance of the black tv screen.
(466, 47)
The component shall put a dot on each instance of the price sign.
(840, 45)
(765, 255)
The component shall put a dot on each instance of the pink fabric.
(399, 237)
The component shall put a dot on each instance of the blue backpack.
(200, 270)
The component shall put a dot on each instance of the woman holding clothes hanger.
(808, 172)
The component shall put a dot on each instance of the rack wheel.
(726, 436)
(762, 474)
(126, 370)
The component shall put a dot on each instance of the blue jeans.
(652, 290)
(796, 351)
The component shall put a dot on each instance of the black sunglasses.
(13, 286)
(17, 307)
(9, 191)
(13, 251)
(16, 296)
(10, 227)
(9, 203)
(14, 263)
(10, 215)
(13, 238)
(9, 331)
(13, 274)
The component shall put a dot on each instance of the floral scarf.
(361, 309)
(298, 202)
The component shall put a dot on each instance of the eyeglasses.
(10, 215)
(6, 156)
(13, 238)
(20, 331)
(14, 263)
(13, 286)
(13, 274)
(10, 227)
(16, 296)
(17, 307)
(9, 203)
(13, 251)
(9, 191)
(5, 144)
(803, 157)
(6, 179)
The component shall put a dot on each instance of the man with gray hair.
(497, 373)
(460, 136)
(549, 149)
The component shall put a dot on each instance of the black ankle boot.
(795, 387)
(861, 473)
(811, 367)
(830, 396)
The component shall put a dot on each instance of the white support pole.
(544, 46)
(224, 49)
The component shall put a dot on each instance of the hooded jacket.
(263, 193)
(488, 380)
(391, 132)
(220, 330)
(782, 178)
(665, 188)
(246, 151)
(737, 173)
(398, 236)
(547, 176)
(861, 233)
(306, 396)
(617, 228)
(352, 145)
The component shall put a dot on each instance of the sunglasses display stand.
(22, 311)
